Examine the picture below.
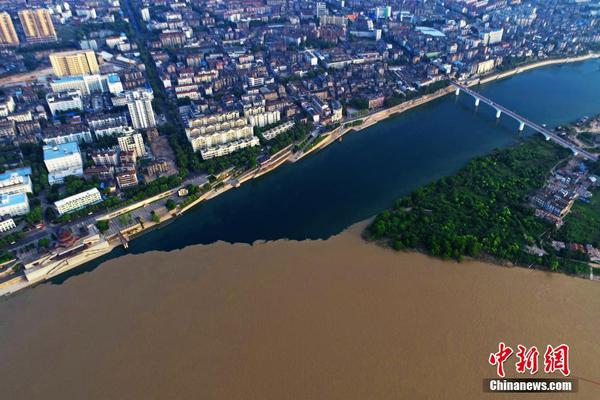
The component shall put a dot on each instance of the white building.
(78, 201)
(7, 224)
(145, 14)
(139, 104)
(132, 141)
(278, 130)
(265, 118)
(491, 37)
(16, 181)
(79, 134)
(220, 134)
(88, 84)
(69, 100)
(61, 161)
(7, 106)
(14, 204)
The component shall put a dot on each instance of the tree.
(170, 204)
(102, 225)
(34, 216)
(44, 243)
(154, 217)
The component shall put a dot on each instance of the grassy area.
(582, 225)
(481, 210)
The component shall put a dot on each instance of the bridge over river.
(548, 134)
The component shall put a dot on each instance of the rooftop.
(7, 200)
(61, 150)
(12, 173)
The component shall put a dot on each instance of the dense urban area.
(117, 115)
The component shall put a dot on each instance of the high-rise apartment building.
(38, 25)
(72, 63)
(8, 35)
(139, 104)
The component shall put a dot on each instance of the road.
(25, 77)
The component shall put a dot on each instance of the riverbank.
(278, 160)
(331, 319)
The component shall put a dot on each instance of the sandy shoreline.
(323, 319)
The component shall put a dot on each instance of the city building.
(139, 104)
(126, 178)
(278, 130)
(78, 201)
(7, 224)
(16, 181)
(37, 25)
(61, 161)
(8, 35)
(105, 157)
(145, 14)
(64, 101)
(108, 124)
(132, 141)
(491, 37)
(62, 134)
(88, 84)
(77, 62)
(220, 134)
(14, 204)
(7, 106)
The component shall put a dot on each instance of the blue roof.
(61, 150)
(113, 78)
(69, 79)
(12, 199)
(24, 171)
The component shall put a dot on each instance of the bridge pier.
(457, 91)
(521, 126)
(498, 113)
(547, 137)
(575, 152)
(477, 101)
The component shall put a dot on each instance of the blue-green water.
(348, 182)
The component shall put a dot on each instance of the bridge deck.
(544, 131)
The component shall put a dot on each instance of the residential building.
(37, 25)
(105, 157)
(14, 204)
(139, 104)
(220, 134)
(64, 101)
(126, 178)
(77, 62)
(7, 106)
(132, 141)
(62, 134)
(8, 35)
(61, 161)
(108, 124)
(78, 201)
(265, 118)
(278, 130)
(7, 224)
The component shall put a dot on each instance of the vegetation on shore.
(480, 211)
